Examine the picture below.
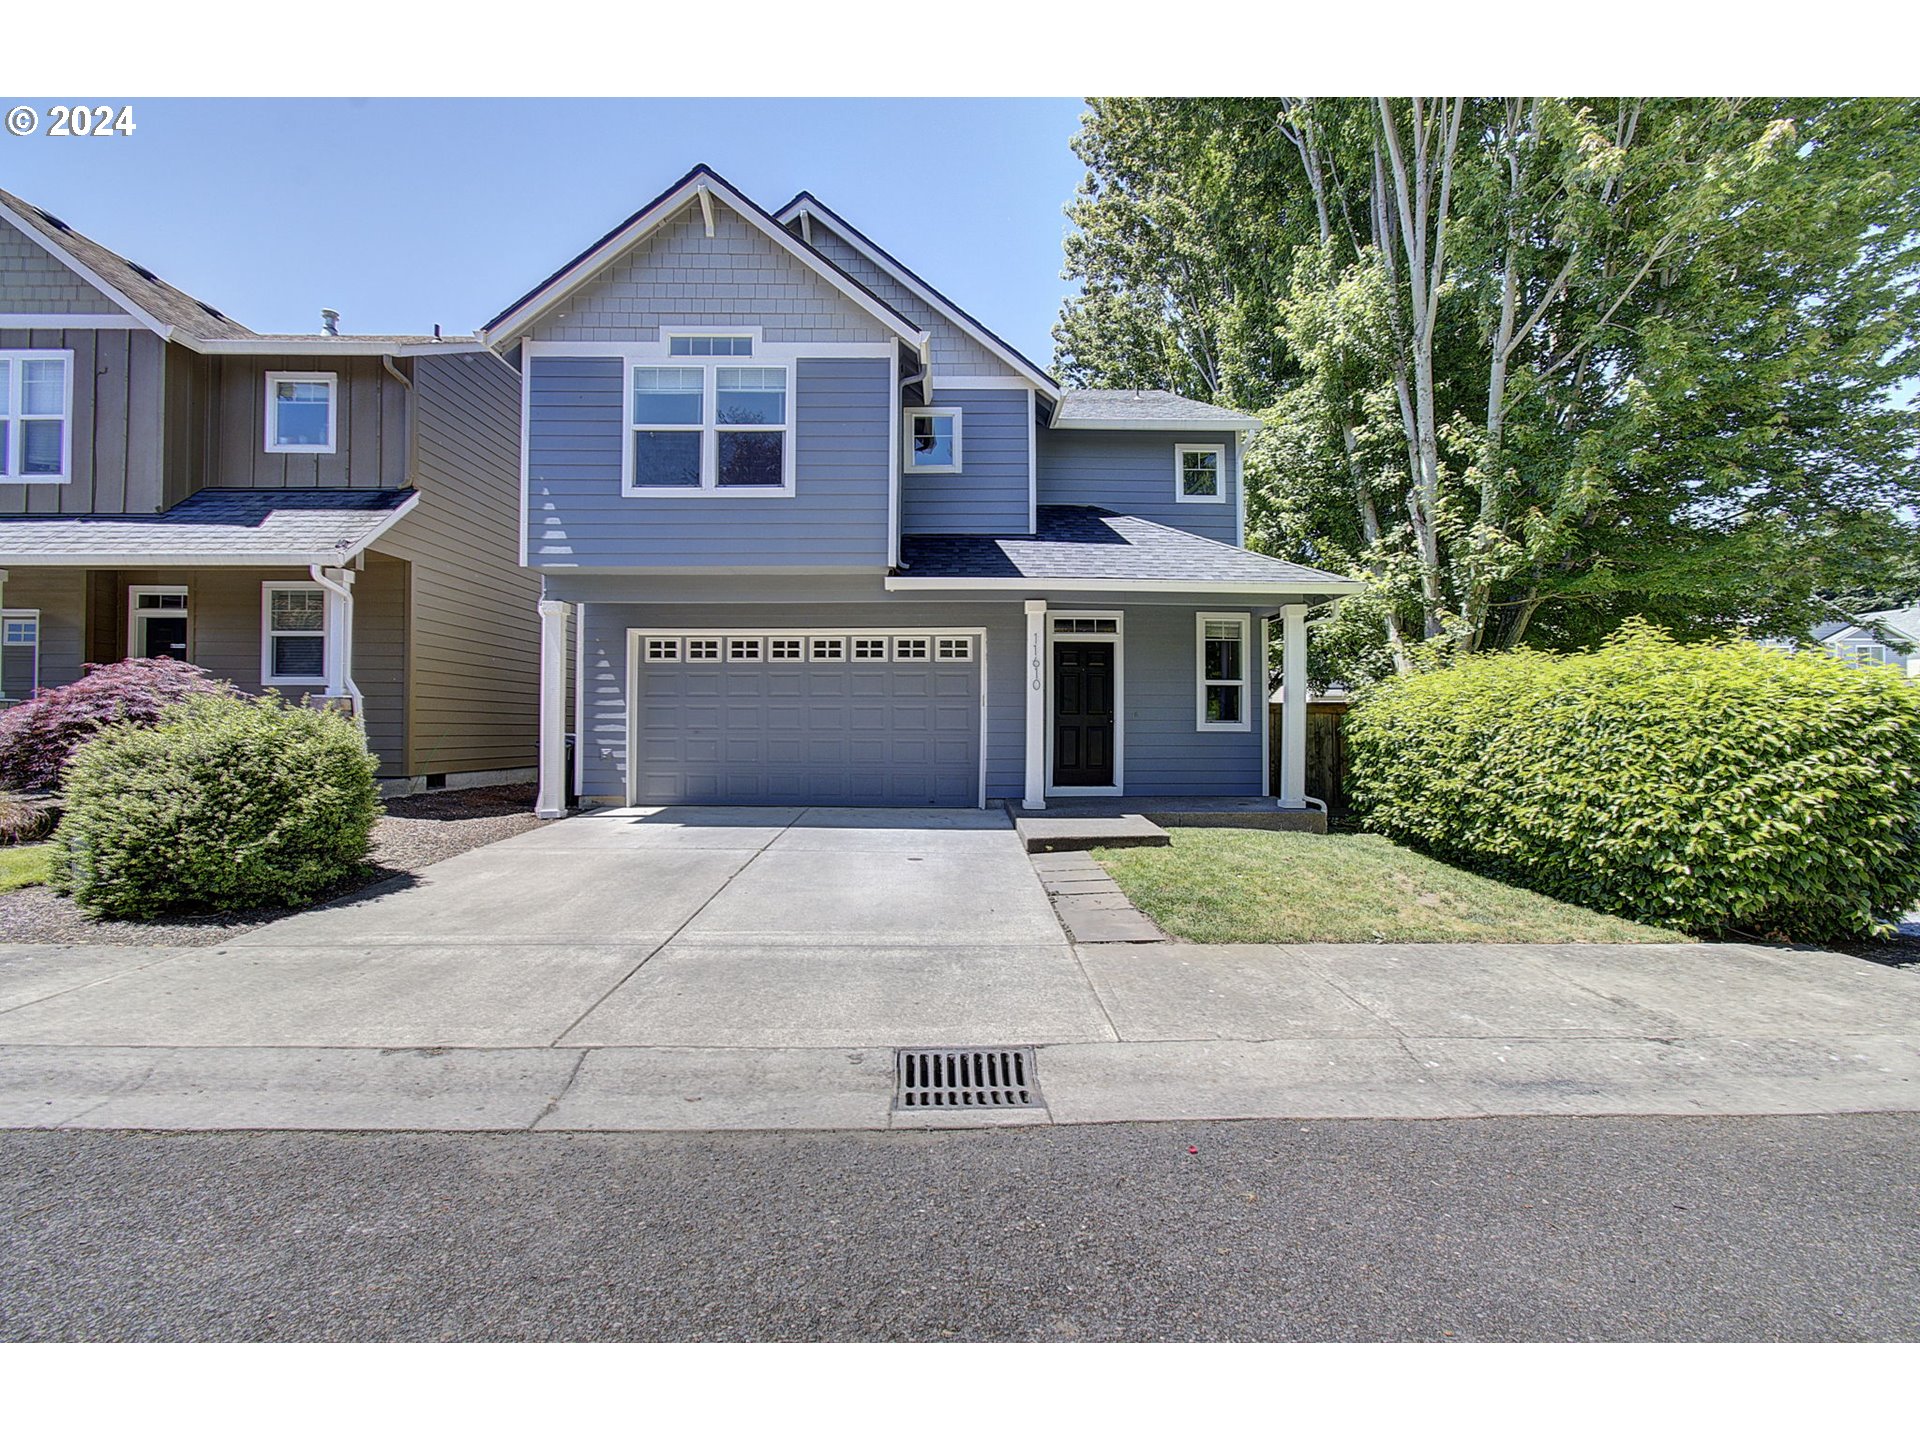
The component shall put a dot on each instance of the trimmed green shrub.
(1708, 787)
(226, 803)
(38, 736)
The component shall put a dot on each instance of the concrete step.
(1045, 834)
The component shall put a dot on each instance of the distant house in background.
(1885, 637)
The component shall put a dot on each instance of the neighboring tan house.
(828, 540)
(325, 515)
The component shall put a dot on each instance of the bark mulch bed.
(416, 831)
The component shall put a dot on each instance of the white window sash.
(934, 412)
(710, 427)
(275, 379)
(1219, 454)
(1202, 683)
(269, 673)
(15, 415)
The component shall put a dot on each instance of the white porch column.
(552, 801)
(1035, 797)
(1293, 707)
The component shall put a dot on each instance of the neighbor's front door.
(1082, 714)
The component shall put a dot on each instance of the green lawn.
(1227, 886)
(23, 865)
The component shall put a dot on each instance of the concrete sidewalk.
(521, 1035)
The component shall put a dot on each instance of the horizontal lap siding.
(116, 429)
(474, 625)
(61, 598)
(577, 515)
(1165, 753)
(1131, 472)
(604, 741)
(989, 496)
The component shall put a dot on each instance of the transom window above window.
(1199, 473)
(933, 441)
(1085, 625)
(301, 412)
(1222, 678)
(36, 401)
(710, 345)
(710, 428)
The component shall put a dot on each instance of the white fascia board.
(320, 346)
(1245, 426)
(516, 321)
(86, 273)
(1330, 586)
(399, 512)
(1039, 379)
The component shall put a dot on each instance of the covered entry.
(839, 717)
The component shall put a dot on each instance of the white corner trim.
(329, 378)
(1220, 480)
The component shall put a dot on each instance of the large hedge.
(37, 736)
(226, 803)
(1714, 788)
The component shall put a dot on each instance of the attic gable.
(32, 282)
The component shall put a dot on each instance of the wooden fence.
(1326, 753)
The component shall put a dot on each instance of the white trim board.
(1118, 641)
(1094, 585)
(515, 322)
(70, 322)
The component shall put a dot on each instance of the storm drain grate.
(973, 1078)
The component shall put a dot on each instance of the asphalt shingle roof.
(219, 526)
(1145, 408)
(1082, 542)
(165, 303)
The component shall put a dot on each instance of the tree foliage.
(1530, 365)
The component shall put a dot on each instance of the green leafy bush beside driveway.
(224, 804)
(1708, 787)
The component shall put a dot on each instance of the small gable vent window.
(933, 441)
(1198, 473)
(301, 412)
(36, 398)
(710, 345)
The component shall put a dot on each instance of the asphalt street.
(1794, 1228)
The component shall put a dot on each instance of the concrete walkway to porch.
(635, 970)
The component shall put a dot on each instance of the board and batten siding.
(32, 282)
(115, 430)
(989, 495)
(229, 411)
(474, 661)
(954, 351)
(837, 515)
(1132, 472)
(679, 275)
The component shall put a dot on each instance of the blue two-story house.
(808, 533)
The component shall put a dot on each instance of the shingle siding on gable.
(1131, 471)
(32, 282)
(578, 517)
(989, 495)
(954, 351)
(680, 277)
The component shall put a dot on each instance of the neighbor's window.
(933, 441)
(301, 411)
(35, 403)
(1197, 472)
(19, 655)
(1222, 673)
(295, 647)
(710, 428)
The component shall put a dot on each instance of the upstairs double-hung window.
(35, 401)
(708, 423)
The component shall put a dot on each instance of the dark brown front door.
(1082, 714)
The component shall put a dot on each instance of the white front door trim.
(1117, 639)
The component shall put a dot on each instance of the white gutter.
(340, 636)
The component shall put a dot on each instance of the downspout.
(922, 377)
(344, 593)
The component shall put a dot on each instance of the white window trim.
(304, 377)
(136, 612)
(1118, 640)
(709, 428)
(1219, 453)
(10, 410)
(267, 632)
(1201, 682)
(951, 412)
(23, 614)
(636, 648)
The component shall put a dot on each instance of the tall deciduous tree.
(1532, 365)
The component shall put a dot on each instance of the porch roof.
(1083, 544)
(213, 527)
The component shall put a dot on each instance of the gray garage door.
(759, 719)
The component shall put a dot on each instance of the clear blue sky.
(404, 213)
